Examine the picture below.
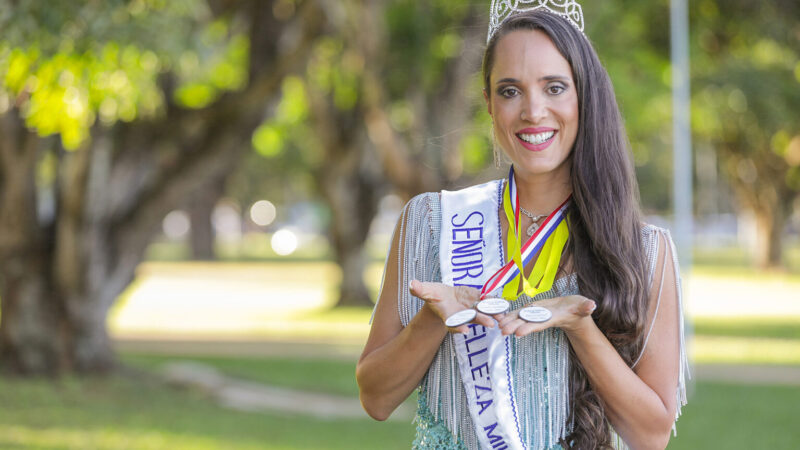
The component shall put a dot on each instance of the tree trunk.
(761, 188)
(353, 199)
(769, 238)
(30, 341)
(352, 291)
(28, 325)
(201, 207)
(58, 279)
(50, 322)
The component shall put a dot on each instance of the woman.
(607, 367)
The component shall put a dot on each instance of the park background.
(196, 199)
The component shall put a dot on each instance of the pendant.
(532, 229)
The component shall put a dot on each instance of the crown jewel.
(502, 9)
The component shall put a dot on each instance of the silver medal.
(492, 306)
(461, 317)
(536, 314)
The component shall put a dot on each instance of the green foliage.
(746, 88)
(422, 40)
(336, 70)
(64, 93)
(272, 136)
(285, 151)
(67, 64)
(218, 64)
(636, 56)
(268, 140)
(477, 145)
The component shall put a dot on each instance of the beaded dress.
(539, 362)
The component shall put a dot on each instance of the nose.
(534, 109)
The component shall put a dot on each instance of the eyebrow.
(545, 78)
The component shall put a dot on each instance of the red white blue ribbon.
(533, 245)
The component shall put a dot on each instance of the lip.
(535, 130)
(536, 147)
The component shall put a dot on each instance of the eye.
(508, 92)
(555, 89)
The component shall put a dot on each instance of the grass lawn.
(726, 416)
(738, 340)
(719, 415)
(138, 413)
(763, 327)
(129, 413)
(315, 375)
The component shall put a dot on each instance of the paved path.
(349, 350)
(249, 396)
(338, 349)
(245, 395)
(747, 374)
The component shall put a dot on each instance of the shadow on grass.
(137, 412)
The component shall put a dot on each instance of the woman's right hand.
(446, 300)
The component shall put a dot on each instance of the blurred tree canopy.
(745, 75)
(113, 113)
(381, 106)
(746, 106)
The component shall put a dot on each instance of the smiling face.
(533, 103)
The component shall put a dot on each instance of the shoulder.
(648, 230)
(654, 237)
(658, 248)
(425, 200)
(423, 208)
(421, 219)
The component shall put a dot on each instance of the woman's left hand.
(569, 314)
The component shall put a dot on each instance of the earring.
(495, 152)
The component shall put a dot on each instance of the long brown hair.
(604, 218)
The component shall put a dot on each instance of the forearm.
(635, 410)
(388, 374)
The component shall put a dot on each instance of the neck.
(542, 193)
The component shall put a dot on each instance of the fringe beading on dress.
(540, 362)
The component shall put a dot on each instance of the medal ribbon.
(548, 240)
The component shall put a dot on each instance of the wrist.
(581, 328)
(431, 315)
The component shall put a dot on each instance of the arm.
(640, 403)
(395, 358)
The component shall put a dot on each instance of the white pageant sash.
(470, 251)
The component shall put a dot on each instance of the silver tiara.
(502, 9)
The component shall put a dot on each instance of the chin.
(542, 167)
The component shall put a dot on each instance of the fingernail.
(411, 285)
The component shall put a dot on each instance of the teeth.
(538, 138)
